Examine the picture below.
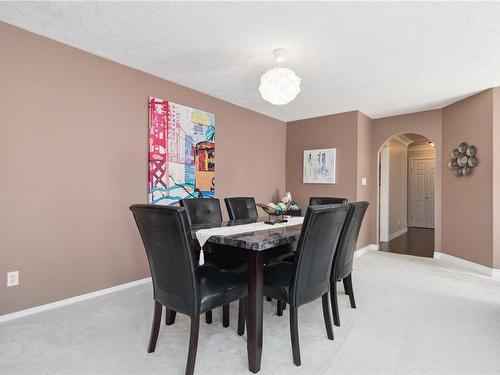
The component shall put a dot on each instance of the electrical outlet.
(13, 278)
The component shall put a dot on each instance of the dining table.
(255, 244)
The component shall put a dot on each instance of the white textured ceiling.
(380, 58)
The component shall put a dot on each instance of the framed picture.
(319, 166)
(181, 153)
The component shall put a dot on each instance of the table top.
(257, 241)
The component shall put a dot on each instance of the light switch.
(363, 181)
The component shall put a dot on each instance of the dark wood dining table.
(256, 245)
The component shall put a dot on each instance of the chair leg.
(326, 316)
(193, 344)
(348, 280)
(208, 317)
(225, 315)
(279, 308)
(346, 287)
(334, 303)
(294, 334)
(155, 328)
(169, 316)
(242, 314)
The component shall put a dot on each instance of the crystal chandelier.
(279, 85)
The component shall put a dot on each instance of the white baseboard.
(364, 250)
(479, 268)
(69, 301)
(398, 233)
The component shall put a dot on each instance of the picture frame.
(320, 166)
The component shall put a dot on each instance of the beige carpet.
(414, 316)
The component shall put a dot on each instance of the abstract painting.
(181, 153)
(319, 166)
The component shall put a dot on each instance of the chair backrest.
(166, 236)
(319, 201)
(202, 210)
(342, 263)
(315, 251)
(241, 208)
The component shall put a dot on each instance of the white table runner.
(204, 234)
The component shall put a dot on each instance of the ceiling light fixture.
(279, 85)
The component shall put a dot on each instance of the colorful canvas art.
(181, 153)
(319, 166)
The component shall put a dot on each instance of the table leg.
(254, 312)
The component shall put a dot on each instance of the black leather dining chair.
(241, 208)
(318, 201)
(313, 201)
(344, 256)
(308, 276)
(202, 210)
(208, 211)
(179, 283)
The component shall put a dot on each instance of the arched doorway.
(406, 195)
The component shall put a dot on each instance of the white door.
(421, 195)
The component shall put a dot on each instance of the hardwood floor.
(417, 242)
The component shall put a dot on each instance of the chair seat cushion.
(219, 287)
(277, 280)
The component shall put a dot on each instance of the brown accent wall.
(428, 124)
(467, 229)
(367, 232)
(398, 199)
(350, 134)
(335, 131)
(73, 144)
(358, 140)
(477, 242)
(496, 178)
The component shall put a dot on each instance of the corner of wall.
(496, 177)
(365, 174)
(470, 120)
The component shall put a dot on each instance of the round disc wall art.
(463, 159)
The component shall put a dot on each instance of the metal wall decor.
(463, 159)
